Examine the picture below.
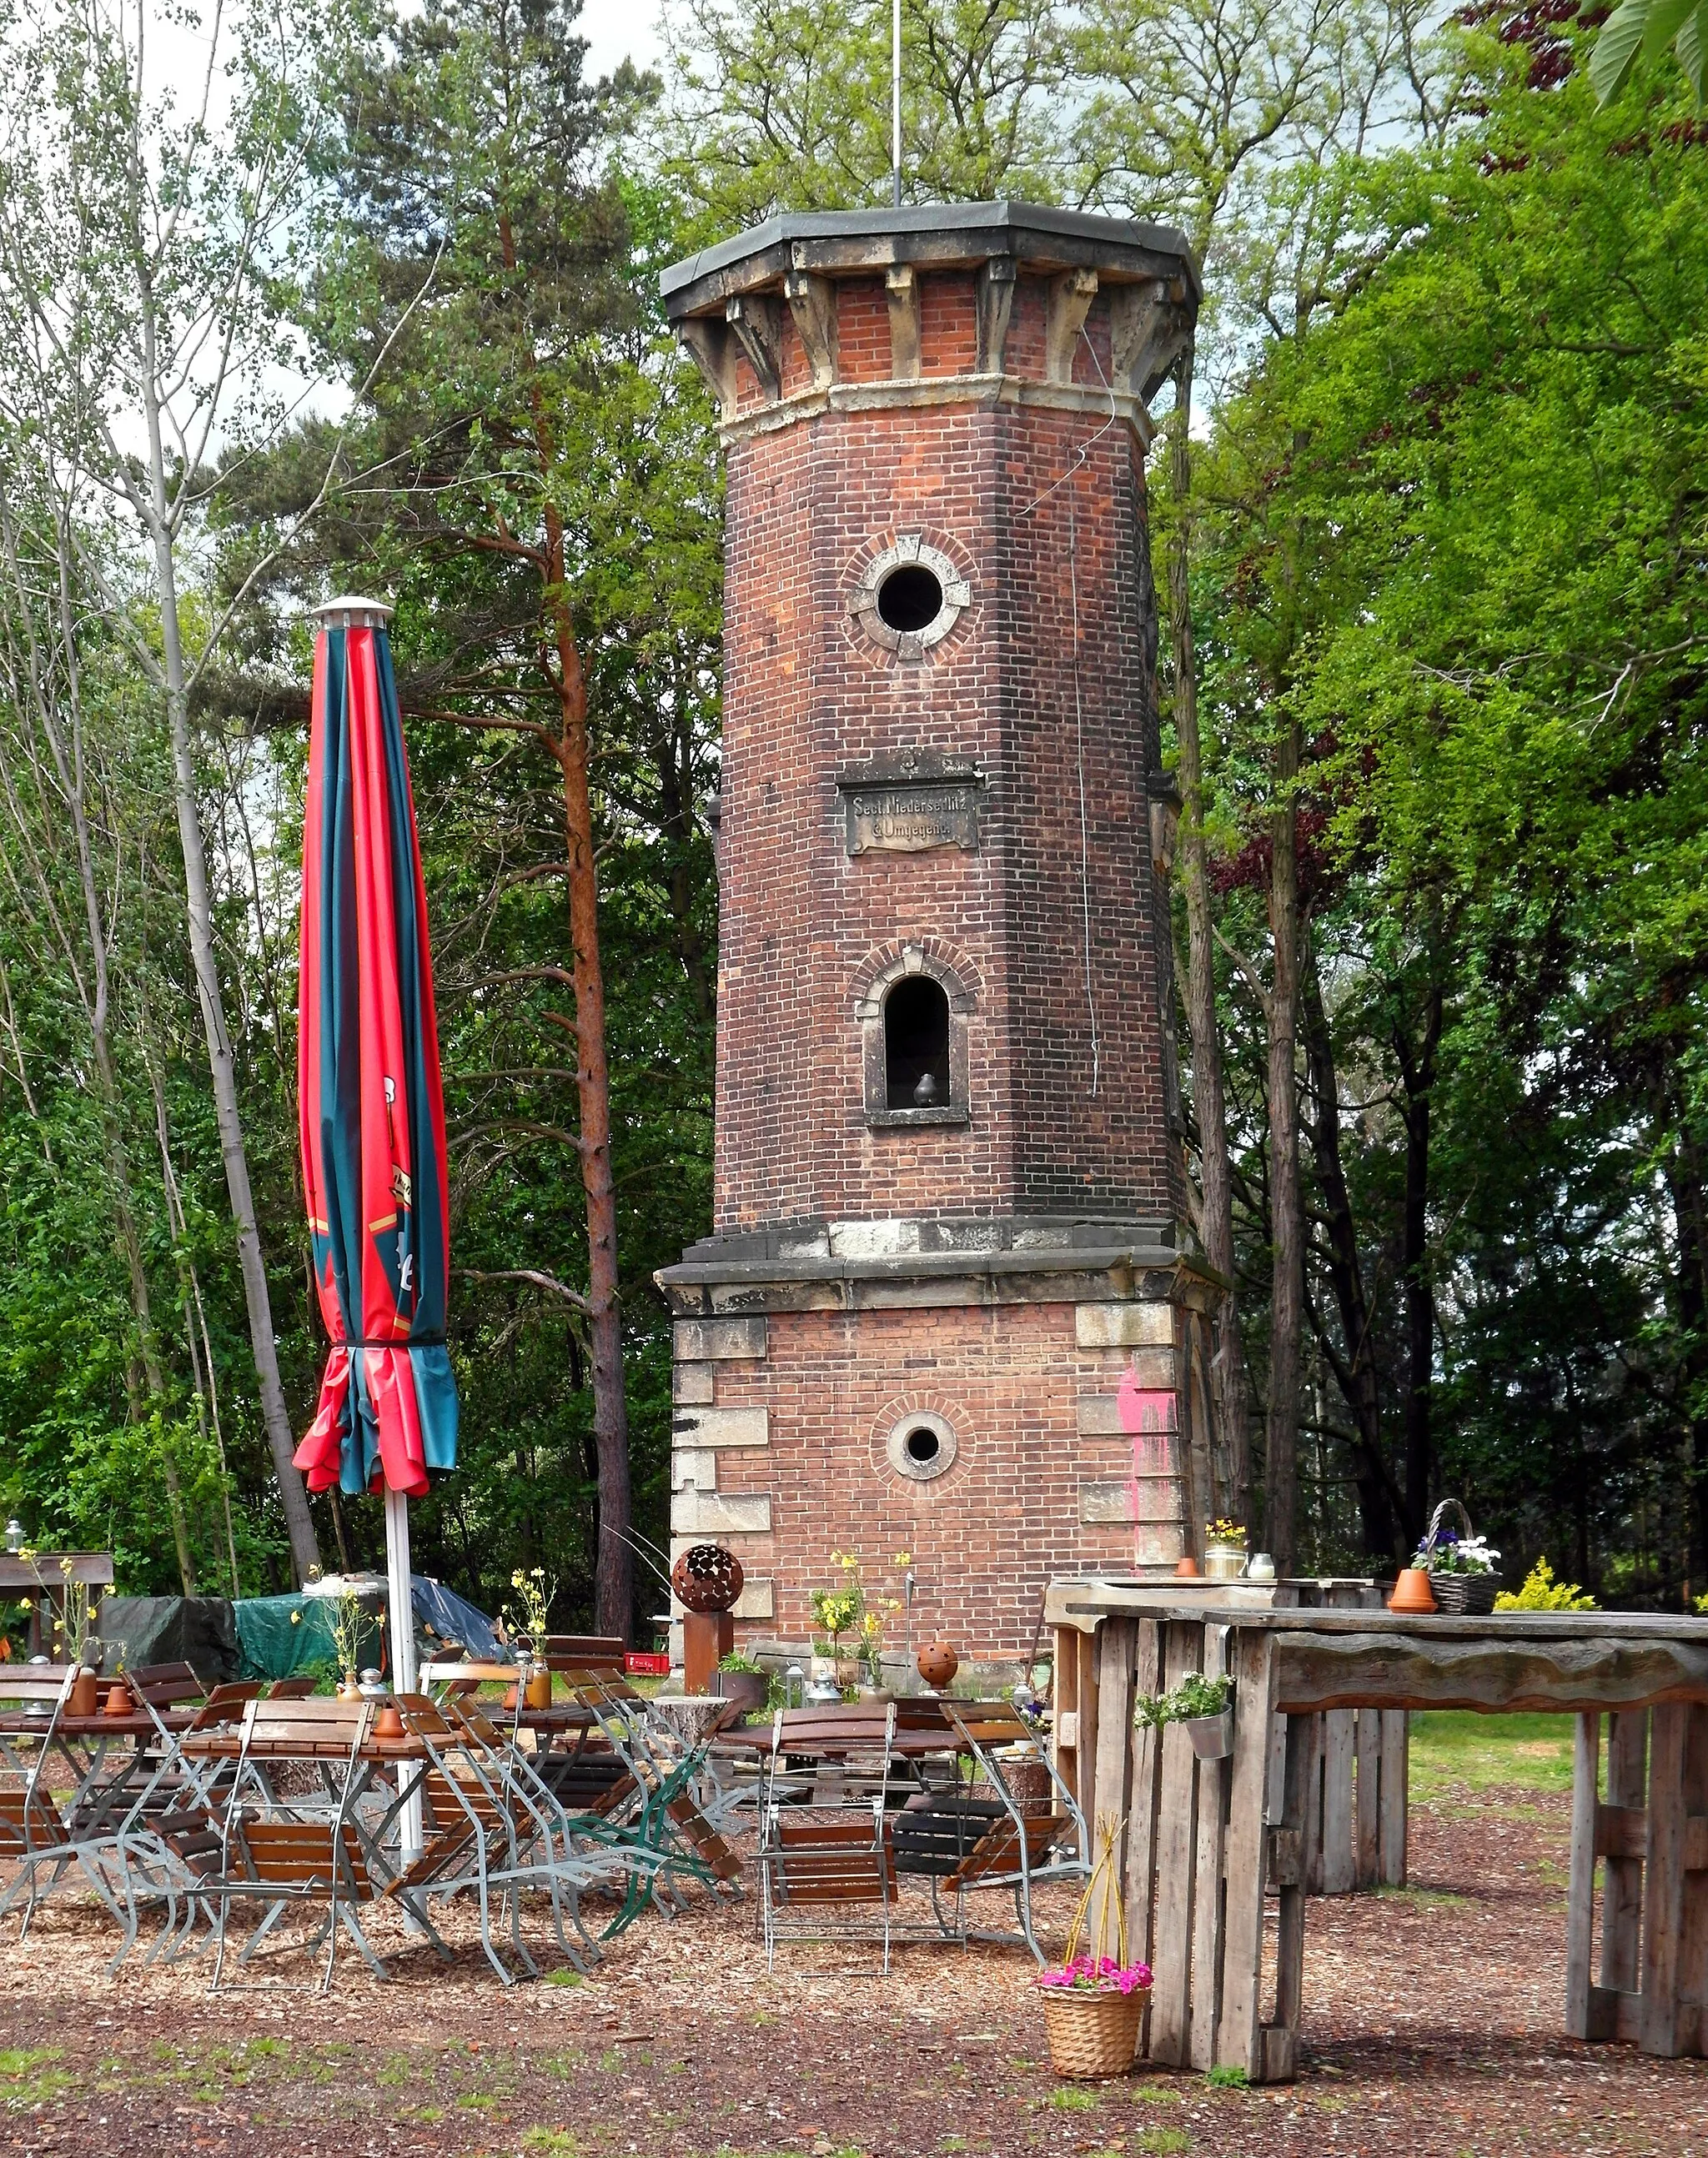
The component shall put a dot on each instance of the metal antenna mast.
(895, 98)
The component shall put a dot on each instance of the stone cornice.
(991, 390)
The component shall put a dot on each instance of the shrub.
(1542, 1592)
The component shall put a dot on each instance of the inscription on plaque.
(908, 819)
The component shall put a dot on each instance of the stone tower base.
(948, 1390)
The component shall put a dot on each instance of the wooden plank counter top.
(1562, 1661)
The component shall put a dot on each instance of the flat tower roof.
(936, 235)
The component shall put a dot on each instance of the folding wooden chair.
(602, 1654)
(1019, 1847)
(286, 1854)
(829, 1756)
(810, 1871)
(47, 1846)
(658, 1802)
(497, 1832)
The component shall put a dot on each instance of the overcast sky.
(617, 30)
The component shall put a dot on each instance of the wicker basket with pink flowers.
(1094, 2006)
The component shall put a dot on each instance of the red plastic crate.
(642, 1663)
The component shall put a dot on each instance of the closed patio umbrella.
(371, 1103)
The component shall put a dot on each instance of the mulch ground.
(1432, 2029)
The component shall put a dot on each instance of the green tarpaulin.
(196, 1630)
(281, 1635)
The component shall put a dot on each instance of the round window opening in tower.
(917, 1045)
(911, 598)
(922, 1446)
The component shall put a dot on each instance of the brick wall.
(795, 1467)
(1067, 1085)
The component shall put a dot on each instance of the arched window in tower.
(917, 1044)
(913, 1007)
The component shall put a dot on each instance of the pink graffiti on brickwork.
(1147, 1415)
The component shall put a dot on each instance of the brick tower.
(948, 1281)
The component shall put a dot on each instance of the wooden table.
(1190, 1826)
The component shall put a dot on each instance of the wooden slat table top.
(561, 1716)
(1520, 1662)
(19, 1724)
(1071, 1602)
(910, 1745)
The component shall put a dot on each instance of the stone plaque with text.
(911, 815)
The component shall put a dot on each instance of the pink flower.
(1099, 1975)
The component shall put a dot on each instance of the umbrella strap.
(408, 1341)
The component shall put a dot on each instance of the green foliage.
(1456, 529)
(785, 104)
(1542, 1592)
(1194, 1696)
(1643, 29)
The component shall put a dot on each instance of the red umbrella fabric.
(371, 1102)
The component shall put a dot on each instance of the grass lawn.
(1454, 1748)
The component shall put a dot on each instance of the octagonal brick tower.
(948, 1276)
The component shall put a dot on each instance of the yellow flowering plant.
(347, 1622)
(526, 1617)
(1225, 1532)
(848, 1608)
(1542, 1592)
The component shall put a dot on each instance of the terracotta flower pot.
(509, 1700)
(118, 1701)
(937, 1663)
(389, 1724)
(1411, 1592)
(1186, 1569)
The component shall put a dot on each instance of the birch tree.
(145, 250)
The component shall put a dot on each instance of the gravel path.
(1432, 2028)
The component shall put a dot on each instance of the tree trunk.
(1287, 1221)
(1354, 1364)
(96, 994)
(1208, 1099)
(613, 1565)
(299, 1523)
(1684, 1183)
(1417, 1071)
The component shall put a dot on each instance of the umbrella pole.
(403, 1649)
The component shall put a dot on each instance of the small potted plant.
(1223, 1551)
(1093, 2006)
(743, 1681)
(1205, 1706)
(838, 1611)
(347, 1622)
(849, 1611)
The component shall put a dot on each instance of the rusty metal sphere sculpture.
(707, 1578)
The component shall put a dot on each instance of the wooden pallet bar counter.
(1200, 1843)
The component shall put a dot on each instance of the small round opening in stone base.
(911, 598)
(921, 1446)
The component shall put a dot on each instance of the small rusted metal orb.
(707, 1578)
